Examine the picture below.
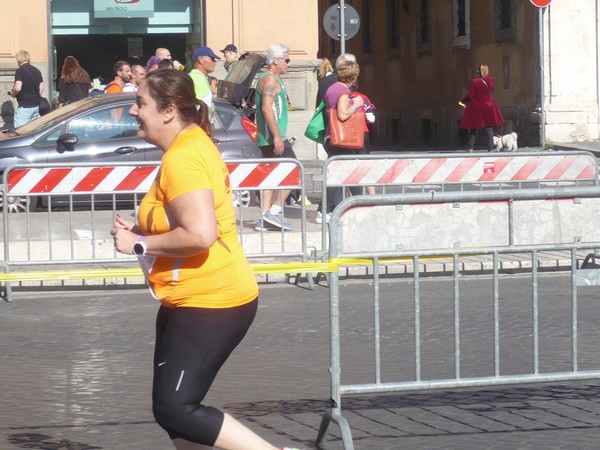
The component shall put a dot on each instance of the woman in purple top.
(339, 96)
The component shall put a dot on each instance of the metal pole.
(51, 72)
(342, 27)
(542, 80)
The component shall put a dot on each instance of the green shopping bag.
(315, 131)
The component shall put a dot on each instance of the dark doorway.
(98, 53)
(426, 131)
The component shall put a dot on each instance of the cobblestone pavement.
(76, 374)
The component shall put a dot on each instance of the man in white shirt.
(137, 75)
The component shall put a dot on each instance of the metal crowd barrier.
(452, 172)
(529, 223)
(77, 204)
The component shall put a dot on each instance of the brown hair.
(175, 87)
(165, 64)
(348, 71)
(119, 66)
(72, 72)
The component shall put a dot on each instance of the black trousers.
(489, 135)
(192, 344)
(335, 195)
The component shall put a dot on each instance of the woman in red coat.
(481, 110)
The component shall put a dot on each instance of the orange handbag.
(349, 133)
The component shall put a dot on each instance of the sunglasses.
(287, 60)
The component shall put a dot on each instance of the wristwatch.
(139, 248)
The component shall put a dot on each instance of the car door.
(102, 135)
(219, 131)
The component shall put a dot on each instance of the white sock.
(275, 209)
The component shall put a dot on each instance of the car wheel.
(244, 199)
(15, 204)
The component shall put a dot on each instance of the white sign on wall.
(123, 8)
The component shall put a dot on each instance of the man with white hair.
(271, 121)
(330, 79)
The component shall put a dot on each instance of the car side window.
(52, 138)
(104, 125)
(224, 119)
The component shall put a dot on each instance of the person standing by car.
(230, 53)
(122, 71)
(27, 89)
(74, 83)
(137, 75)
(481, 111)
(205, 61)
(187, 242)
(214, 85)
(271, 122)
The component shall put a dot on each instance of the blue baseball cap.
(204, 51)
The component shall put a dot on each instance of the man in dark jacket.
(27, 89)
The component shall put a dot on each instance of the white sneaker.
(319, 218)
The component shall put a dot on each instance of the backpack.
(96, 92)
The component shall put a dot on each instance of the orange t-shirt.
(221, 276)
(113, 88)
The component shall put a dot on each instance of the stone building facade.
(417, 57)
(101, 32)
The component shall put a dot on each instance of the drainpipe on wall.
(203, 22)
(597, 70)
(542, 80)
(51, 59)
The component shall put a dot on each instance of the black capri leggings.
(191, 346)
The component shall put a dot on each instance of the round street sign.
(541, 3)
(332, 23)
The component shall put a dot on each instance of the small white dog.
(508, 142)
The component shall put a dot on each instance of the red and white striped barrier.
(67, 180)
(264, 175)
(473, 169)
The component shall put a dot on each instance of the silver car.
(100, 129)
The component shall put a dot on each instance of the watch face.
(139, 249)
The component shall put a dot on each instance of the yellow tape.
(404, 259)
(58, 275)
(299, 267)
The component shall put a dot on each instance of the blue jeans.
(25, 115)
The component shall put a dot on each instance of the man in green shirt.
(271, 122)
(204, 63)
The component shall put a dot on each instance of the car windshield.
(53, 117)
